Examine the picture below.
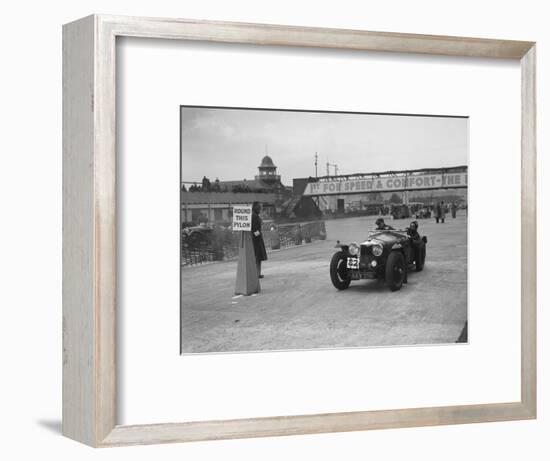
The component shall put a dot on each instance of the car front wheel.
(395, 270)
(338, 271)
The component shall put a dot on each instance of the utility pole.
(315, 164)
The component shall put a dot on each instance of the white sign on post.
(242, 217)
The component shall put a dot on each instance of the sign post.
(247, 281)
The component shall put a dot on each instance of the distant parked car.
(400, 211)
(423, 213)
(196, 237)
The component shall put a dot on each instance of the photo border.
(316, 111)
(89, 229)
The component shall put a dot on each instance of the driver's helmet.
(380, 222)
(413, 225)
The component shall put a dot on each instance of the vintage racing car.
(385, 254)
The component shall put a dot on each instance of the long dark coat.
(258, 240)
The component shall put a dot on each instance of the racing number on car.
(353, 263)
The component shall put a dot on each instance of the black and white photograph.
(305, 230)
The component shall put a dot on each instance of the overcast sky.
(229, 143)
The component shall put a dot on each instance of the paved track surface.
(298, 308)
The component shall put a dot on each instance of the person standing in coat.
(437, 212)
(453, 210)
(257, 237)
(443, 212)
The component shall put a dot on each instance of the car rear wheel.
(395, 270)
(338, 271)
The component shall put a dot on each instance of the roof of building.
(267, 162)
(252, 183)
(205, 198)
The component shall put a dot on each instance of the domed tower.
(268, 171)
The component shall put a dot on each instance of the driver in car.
(381, 225)
(412, 232)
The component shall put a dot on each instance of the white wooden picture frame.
(89, 232)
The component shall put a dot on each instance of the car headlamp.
(353, 249)
(377, 250)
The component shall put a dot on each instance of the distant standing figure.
(453, 210)
(257, 238)
(438, 212)
(443, 212)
